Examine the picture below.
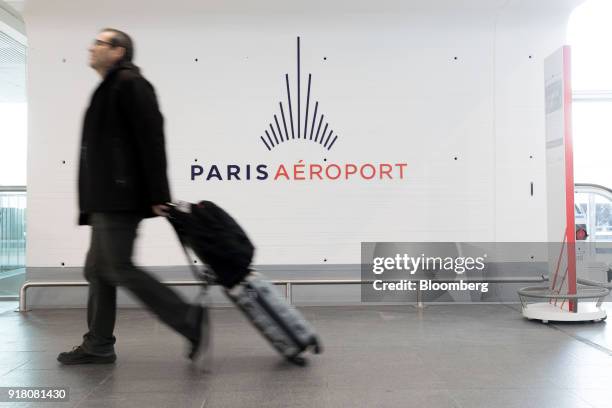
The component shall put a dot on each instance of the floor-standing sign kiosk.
(561, 301)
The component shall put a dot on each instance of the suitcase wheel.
(316, 345)
(297, 360)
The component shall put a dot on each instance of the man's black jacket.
(123, 160)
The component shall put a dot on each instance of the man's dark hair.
(121, 39)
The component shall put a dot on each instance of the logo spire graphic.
(276, 137)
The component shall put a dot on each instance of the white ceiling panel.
(12, 70)
(16, 5)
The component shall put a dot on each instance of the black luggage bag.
(215, 238)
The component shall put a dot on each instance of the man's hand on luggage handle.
(161, 210)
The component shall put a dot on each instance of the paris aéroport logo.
(300, 117)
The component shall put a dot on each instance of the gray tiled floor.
(465, 356)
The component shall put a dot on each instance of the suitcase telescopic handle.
(202, 274)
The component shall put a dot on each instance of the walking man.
(122, 179)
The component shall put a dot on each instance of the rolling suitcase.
(218, 241)
(279, 322)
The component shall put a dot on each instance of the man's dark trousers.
(108, 265)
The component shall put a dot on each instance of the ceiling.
(12, 62)
(16, 5)
(12, 70)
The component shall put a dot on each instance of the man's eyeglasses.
(102, 42)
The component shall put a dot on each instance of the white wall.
(390, 87)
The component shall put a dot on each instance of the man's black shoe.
(200, 346)
(79, 356)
